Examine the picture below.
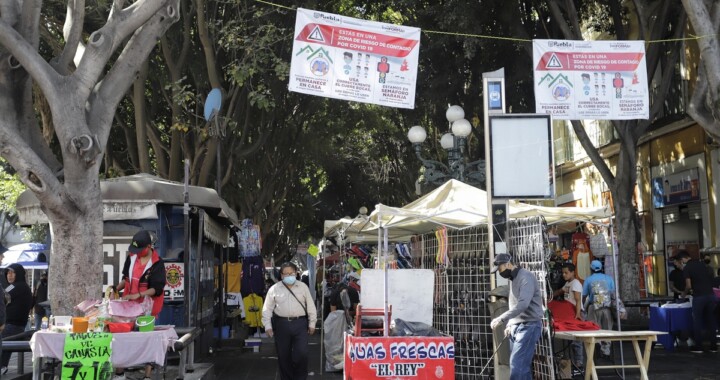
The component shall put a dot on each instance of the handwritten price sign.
(87, 357)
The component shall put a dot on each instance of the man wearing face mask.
(143, 276)
(524, 318)
(289, 316)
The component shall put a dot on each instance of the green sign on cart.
(87, 357)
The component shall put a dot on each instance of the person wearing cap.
(289, 316)
(700, 283)
(143, 275)
(524, 317)
(598, 290)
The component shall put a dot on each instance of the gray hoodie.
(525, 299)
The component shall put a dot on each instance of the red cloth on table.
(564, 318)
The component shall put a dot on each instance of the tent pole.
(322, 307)
(385, 280)
(617, 289)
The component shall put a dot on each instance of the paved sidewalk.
(235, 362)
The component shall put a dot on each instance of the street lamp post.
(436, 172)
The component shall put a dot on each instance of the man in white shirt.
(289, 315)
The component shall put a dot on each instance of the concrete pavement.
(235, 362)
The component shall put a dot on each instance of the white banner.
(597, 80)
(112, 210)
(346, 58)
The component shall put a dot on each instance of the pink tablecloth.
(128, 349)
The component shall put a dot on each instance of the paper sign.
(399, 358)
(87, 357)
(594, 80)
(352, 59)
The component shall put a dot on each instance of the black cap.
(500, 258)
(141, 240)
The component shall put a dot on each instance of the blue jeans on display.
(523, 338)
(703, 309)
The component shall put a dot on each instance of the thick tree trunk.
(626, 226)
(76, 264)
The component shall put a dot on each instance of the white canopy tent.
(457, 205)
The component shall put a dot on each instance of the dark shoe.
(696, 349)
(577, 372)
(714, 348)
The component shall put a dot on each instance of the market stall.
(449, 233)
(191, 225)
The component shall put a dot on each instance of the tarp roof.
(135, 197)
(458, 205)
(358, 230)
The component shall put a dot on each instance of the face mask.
(289, 280)
(144, 252)
(506, 273)
(707, 261)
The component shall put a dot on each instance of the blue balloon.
(213, 103)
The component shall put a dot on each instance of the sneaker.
(714, 348)
(577, 372)
(3, 370)
(119, 377)
(696, 349)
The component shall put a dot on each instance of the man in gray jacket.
(524, 318)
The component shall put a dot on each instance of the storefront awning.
(136, 197)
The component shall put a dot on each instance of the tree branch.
(24, 54)
(32, 169)
(113, 88)
(72, 32)
(105, 41)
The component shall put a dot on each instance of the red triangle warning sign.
(316, 35)
(554, 63)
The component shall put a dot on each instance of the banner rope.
(512, 39)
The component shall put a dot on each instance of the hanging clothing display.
(581, 255)
(253, 310)
(233, 273)
(253, 276)
(249, 241)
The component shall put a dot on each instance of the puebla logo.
(173, 275)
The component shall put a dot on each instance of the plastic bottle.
(44, 323)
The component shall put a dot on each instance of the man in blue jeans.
(524, 317)
(699, 281)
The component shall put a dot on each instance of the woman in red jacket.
(143, 276)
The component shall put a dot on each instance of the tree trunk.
(626, 227)
(76, 265)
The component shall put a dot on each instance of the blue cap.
(596, 265)
(500, 258)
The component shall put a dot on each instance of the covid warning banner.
(596, 80)
(399, 358)
(346, 58)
